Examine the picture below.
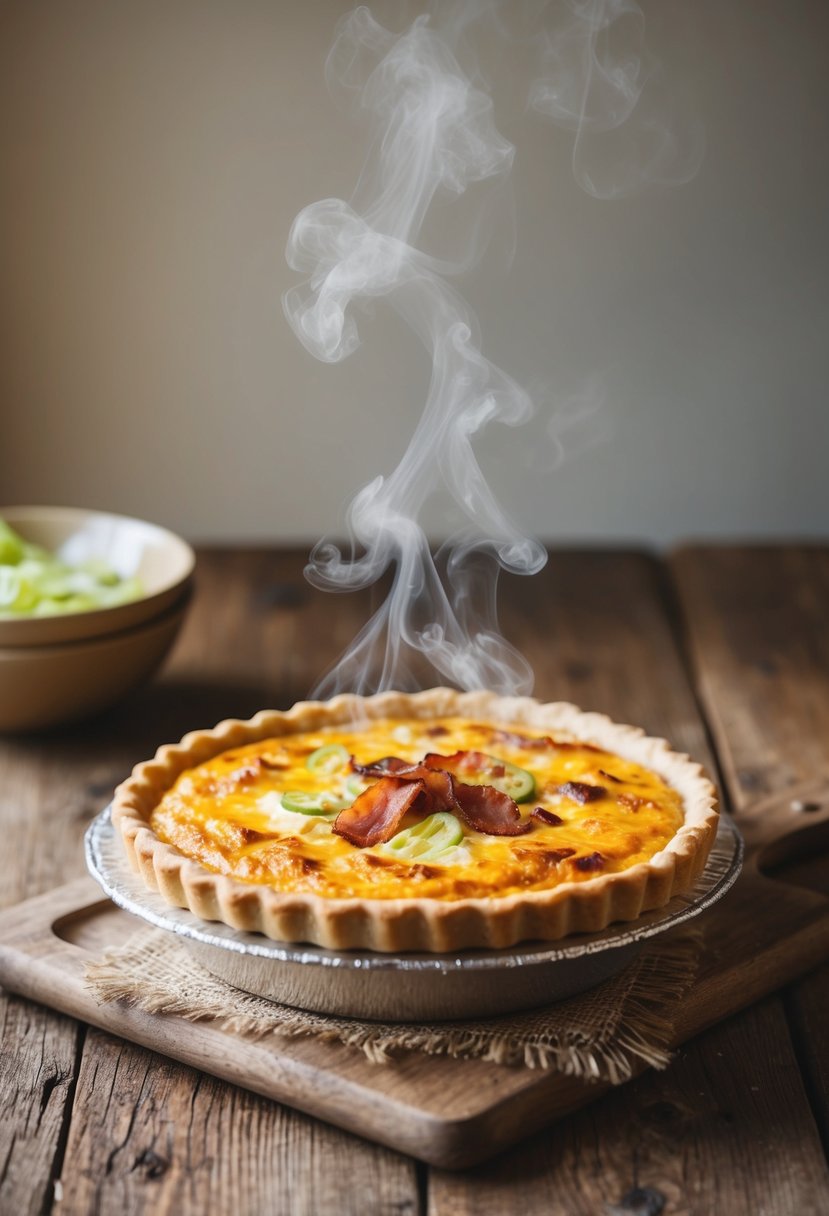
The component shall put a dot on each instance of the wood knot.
(662, 1112)
(578, 671)
(753, 781)
(640, 1201)
(151, 1163)
(280, 595)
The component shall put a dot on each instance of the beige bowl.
(162, 560)
(43, 686)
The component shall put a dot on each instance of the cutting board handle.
(787, 824)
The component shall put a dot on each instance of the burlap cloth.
(602, 1034)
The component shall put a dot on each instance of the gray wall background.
(154, 155)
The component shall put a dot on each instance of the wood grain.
(46, 797)
(757, 627)
(694, 1139)
(151, 1136)
(756, 620)
(807, 1005)
(37, 1074)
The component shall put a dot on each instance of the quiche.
(433, 821)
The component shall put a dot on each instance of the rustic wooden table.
(725, 651)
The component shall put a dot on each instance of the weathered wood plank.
(721, 1131)
(807, 1004)
(37, 1074)
(259, 635)
(757, 625)
(151, 1136)
(46, 797)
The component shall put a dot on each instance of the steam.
(630, 129)
(434, 134)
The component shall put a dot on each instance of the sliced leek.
(427, 840)
(35, 583)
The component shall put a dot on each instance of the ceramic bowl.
(42, 686)
(161, 560)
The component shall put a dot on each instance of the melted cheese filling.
(227, 814)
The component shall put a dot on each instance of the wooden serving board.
(763, 934)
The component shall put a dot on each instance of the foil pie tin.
(408, 987)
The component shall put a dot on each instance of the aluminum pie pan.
(412, 986)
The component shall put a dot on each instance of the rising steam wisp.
(434, 132)
(437, 133)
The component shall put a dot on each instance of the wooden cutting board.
(763, 934)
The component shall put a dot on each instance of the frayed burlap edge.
(601, 1035)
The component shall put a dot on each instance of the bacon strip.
(438, 787)
(544, 816)
(581, 792)
(466, 762)
(489, 810)
(516, 740)
(593, 861)
(557, 855)
(609, 776)
(378, 812)
(380, 768)
(427, 788)
(483, 807)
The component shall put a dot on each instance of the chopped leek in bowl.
(35, 582)
(68, 573)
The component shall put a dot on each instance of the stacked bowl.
(62, 667)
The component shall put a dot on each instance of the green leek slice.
(328, 759)
(305, 802)
(427, 840)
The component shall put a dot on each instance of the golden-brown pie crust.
(427, 924)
